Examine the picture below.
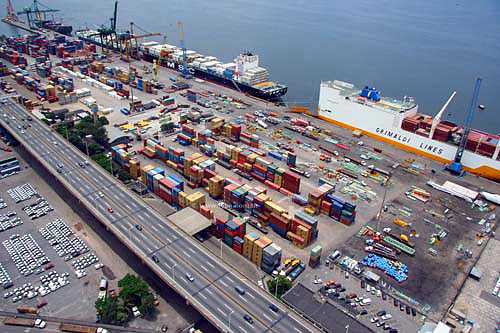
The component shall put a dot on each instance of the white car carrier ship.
(398, 123)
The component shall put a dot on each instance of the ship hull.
(385, 126)
(212, 77)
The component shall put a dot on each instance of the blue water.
(425, 49)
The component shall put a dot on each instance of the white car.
(387, 316)
(100, 194)
(379, 293)
(136, 312)
(40, 323)
(98, 266)
(102, 330)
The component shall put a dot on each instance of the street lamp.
(229, 323)
(173, 271)
(346, 328)
(220, 248)
(85, 139)
(277, 282)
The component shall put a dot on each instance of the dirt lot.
(433, 280)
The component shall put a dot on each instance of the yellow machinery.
(400, 222)
(126, 43)
(157, 63)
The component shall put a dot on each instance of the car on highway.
(100, 194)
(273, 307)
(248, 319)
(138, 227)
(40, 323)
(110, 209)
(189, 277)
(155, 259)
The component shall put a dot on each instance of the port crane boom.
(185, 72)
(456, 165)
(38, 11)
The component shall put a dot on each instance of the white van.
(365, 301)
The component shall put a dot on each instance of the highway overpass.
(212, 292)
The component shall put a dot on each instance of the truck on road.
(27, 309)
(19, 322)
(81, 329)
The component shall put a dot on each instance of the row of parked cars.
(22, 192)
(60, 236)
(25, 252)
(38, 209)
(9, 220)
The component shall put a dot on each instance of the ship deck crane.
(184, 72)
(37, 9)
(157, 63)
(106, 33)
(456, 166)
(11, 14)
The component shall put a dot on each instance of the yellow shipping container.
(196, 155)
(310, 210)
(251, 158)
(144, 170)
(248, 244)
(199, 160)
(172, 164)
(247, 166)
(195, 200)
(182, 199)
(235, 153)
(263, 197)
(277, 179)
(274, 207)
(194, 142)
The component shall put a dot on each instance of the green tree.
(93, 149)
(123, 175)
(103, 161)
(134, 291)
(46, 121)
(283, 286)
(103, 121)
(111, 310)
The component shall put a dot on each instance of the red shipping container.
(285, 192)
(272, 185)
(326, 207)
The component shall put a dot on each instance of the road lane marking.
(210, 292)
(251, 295)
(243, 298)
(229, 279)
(241, 328)
(204, 297)
(268, 318)
(227, 306)
(223, 313)
(224, 283)
(186, 253)
(190, 249)
(209, 264)
(204, 268)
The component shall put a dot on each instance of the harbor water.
(425, 49)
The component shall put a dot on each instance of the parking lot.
(345, 293)
(39, 272)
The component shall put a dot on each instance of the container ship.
(55, 26)
(399, 123)
(244, 74)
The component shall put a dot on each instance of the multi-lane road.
(150, 236)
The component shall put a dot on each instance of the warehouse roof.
(325, 314)
(190, 220)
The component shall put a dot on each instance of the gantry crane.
(126, 43)
(37, 9)
(106, 33)
(185, 72)
(456, 166)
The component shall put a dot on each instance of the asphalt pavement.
(213, 289)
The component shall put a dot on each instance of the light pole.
(277, 282)
(229, 322)
(111, 165)
(346, 328)
(85, 139)
(221, 248)
(173, 271)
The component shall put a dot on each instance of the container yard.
(282, 190)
